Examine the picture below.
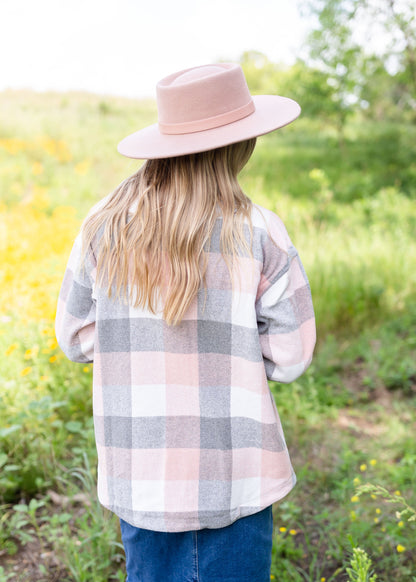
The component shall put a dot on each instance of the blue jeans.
(240, 552)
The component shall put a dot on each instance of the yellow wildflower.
(373, 496)
(11, 349)
(282, 529)
(378, 510)
(57, 149)
(37, 169)
(357, 481)
(82, 167)
(293, 532)
(355, 498)
(400, 548)
(31, 353)
(376, 520)
(13, 145)
(85, 369)
(53, 359)
(397, 492)
(31, 290)
(373, 462)
(363, 467)
(323, 579)
(52, 343)
(401, 523)
(26, 371)
(353, 515)
(272, 577)
(44, 378)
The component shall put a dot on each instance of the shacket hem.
(183, 525)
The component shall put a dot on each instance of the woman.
(188, 297)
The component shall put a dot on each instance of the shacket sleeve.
(285, 315)
(75, 315)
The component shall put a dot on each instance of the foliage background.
(343, 179)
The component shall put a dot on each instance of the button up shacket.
(187, 431)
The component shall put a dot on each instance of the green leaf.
(4, 432)
(22, 507)
(3, 459)
(74, 426)
(10, 468)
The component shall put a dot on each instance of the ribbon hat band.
(208, 123)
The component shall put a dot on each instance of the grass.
(343, 432)
(349, 208)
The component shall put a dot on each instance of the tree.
(261, 74)
(368, 50)
(309, 86)
(313, 89)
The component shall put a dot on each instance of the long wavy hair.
(151, 235)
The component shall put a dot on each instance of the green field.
(348, 202)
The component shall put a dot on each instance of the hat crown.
(197, 73)
(202, 98)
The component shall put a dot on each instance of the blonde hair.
(150, 237)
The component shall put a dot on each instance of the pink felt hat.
(204, 108)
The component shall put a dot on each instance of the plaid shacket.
(187, 431)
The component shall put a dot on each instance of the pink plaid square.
(182, 464)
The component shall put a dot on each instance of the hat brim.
(272, 112)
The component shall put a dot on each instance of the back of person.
(188, 298)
